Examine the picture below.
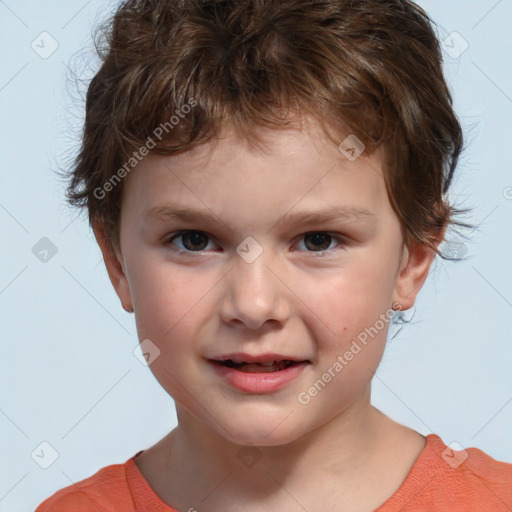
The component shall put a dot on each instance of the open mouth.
(258, 373)
(271, 366)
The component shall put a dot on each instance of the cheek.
(165, 299)
(348, 313)
(349, 320)
(348, 299)
(169, 306)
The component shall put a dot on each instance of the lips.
(258, 374)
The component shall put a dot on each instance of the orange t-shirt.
(440, 480)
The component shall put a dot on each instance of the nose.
(254, 294)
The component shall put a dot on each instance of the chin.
(262, 438)
(260, 430)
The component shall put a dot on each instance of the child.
(226, 142)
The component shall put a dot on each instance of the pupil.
(317, 238)
(195, 239)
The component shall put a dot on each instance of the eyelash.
(340, 239)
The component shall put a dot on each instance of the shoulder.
(445, 478)
(106, 490)
(477, 477)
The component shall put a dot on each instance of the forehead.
(295, 169)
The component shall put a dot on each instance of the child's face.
(304, 298)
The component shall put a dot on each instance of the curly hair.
(370, 68)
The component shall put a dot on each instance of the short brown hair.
(370, 67)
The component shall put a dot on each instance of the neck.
(200, 463)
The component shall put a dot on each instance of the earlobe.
(115, 269)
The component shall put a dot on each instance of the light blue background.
(69, 375)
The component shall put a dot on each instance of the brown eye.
(192, 241)
(320, 241)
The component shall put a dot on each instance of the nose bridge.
(254, 293)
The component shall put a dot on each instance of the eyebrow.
(348, 214)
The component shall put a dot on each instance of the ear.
(414, 267)
(115, 269)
